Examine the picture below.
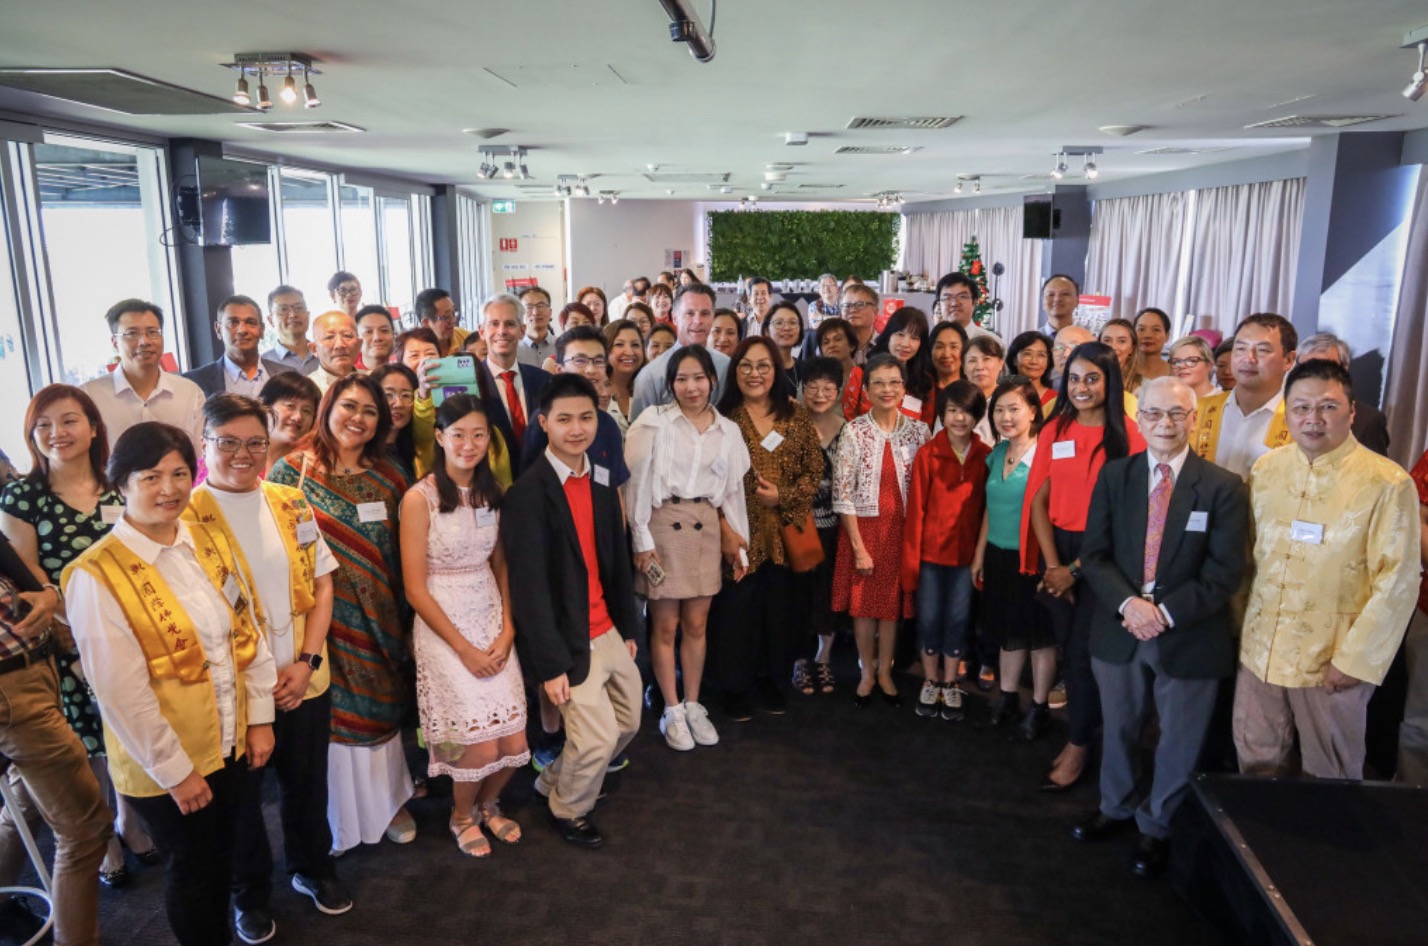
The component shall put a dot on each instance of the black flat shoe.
(1004, 710)
(1052, 787)
(1151, 856)
(1101, 826)
(892, 699)
(114, 878)
(861, 700)
(1034, 722)
(578, 831)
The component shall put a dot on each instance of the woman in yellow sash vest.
(165, 626)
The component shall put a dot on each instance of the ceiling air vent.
(1318, 121)
(116, 90)
(685, 177)
(287, 128)
(875, 149)
(819, 187)
(925, 124)
(1174, 150)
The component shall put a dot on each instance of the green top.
(1004, 498)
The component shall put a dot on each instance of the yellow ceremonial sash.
(178, 667)
(290, 508)
(1210, 411)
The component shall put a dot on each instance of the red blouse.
(945, 499)
(1420, 480)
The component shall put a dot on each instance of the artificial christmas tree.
(972, 266)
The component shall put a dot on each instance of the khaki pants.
(1413, 732)
(601, 717)
(56, 773)
(1330, 728)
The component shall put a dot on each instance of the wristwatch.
(312, 660)
(1075, 571)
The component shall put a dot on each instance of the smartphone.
(452, 375)
(654, 573)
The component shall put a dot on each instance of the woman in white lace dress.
(469, 690)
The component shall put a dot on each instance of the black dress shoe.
(255, 925)
(578, 831)
(737, 708)
(1100, 826)
(1151, 856)
(1052, 787)
(774, 702)
(861, 700)
(1034, 722)
(1007, 707)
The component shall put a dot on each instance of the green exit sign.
(503, 206)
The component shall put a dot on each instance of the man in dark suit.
(1164, 550)
(239, 370)
(573, 602)
(517, 387)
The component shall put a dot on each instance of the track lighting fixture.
(1091, 171)
(525, 172)
(265, 64)
(977, 187)
(509, 171)
(240, 94)
(958, 188)
(582, 189)
(289, 94)
(1414, 90)
(264, 103)
(1058, 172)
(309, 93)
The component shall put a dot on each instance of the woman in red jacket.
(945, 499)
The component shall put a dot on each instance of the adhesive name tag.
(1199, 522)
(230, 591)
(602, 475)
(371, 512)
(1311, 533)
(771, 442)
(913, 404)
(111, 514)
(307, 532)
(485, 517)
(1063, 449)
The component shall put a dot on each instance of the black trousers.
(300, 739)
(757, 626)
(1072, 623)
(198, 857)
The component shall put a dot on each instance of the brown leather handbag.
(802, 547)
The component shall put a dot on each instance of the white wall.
(608, 243)
(538, 227)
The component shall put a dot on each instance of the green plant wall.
(800, 244)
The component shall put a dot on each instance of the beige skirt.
(686, 538)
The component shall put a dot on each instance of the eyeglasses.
(763, 367)
(1189, 362)
(581, 362)
(856, 306)
(537, 306)
(134, 334)
(332, 338)
(349, 291)
(887, 384)
(1326, 410)
(233, 444)
(1151, 416)
(285, 310)
(445, 319)
(956, 297)
(820, 390)
(401, 397)
(784, 323)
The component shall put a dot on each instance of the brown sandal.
(503, 829)
(470, 839)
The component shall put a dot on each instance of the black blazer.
(550, 593)
(534, 381)
(210, 378)
(1196, 572)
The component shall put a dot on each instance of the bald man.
(335, 343)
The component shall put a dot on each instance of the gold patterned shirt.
(1335, 565)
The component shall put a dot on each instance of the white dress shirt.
(175, 400)
(115, 666)
(1242, 435)
(668, 457)
(564, 472)
(496, 373)
(1176, 464)
(617, 307)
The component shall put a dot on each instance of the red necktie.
(513, 402)
(1155, 525)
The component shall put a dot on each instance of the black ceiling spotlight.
(685, 27)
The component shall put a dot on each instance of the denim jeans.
(944, 608)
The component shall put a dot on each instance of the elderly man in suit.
(1164, 550)
(239, 370)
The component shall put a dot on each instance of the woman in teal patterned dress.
(355, 491)
(51, 515)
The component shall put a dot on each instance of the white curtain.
(1406, 392)
(1244, 246)
(999, 231)
(1135, 252)
(935, 241)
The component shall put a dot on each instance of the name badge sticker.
(230, 591)
(602, 475)
(1063, 450)
(1310, 533)
(306, 532)
(485, 516)
(1199, 522)
(111, 514)
(771, 442)
(371, 512)
(913, 404)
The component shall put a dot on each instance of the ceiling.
(598, 89)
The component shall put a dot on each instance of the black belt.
(34, 655)
(685, 499)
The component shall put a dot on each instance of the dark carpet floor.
(828, 825)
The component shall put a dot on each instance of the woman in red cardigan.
(945, 499)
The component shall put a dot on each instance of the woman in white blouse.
(870, 477)
(164, 620)
(687, 466)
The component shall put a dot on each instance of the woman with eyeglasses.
(399, 387)
(755, 615)
(870, 479)
(1088, 428)
(905, 338)
(354, 490)
(291, 399)
(1030, 356)
(627, 357)
(1152, 331)
(784, 324)
(1193, 362)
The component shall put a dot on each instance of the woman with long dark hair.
(469, 689)
(905, 338)
(944, 348)
(1088, 428)
(784, 324)
(399, 386)
(627, 356)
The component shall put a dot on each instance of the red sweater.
(945, 500)
(582, 510)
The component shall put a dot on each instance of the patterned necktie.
(1155, 524)
(513, 401)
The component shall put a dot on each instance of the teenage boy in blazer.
(574, 601)
(1164, 560)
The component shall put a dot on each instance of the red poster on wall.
(890, 305)
(510, 244)
(520, 283)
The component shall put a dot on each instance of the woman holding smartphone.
(687, 466)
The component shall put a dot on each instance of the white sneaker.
(699, 725)
(676, 728)
(928, 699)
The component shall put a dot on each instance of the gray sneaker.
(928, 699)
(952, 697)
(700, 727)
(675, 727)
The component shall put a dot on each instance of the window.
(309, 236)
(398, 260)
(14, 372)
(358, 218)
(473, 247)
